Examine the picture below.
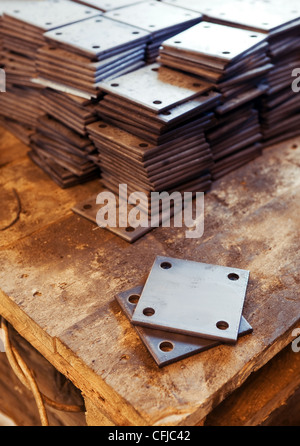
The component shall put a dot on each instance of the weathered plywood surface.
(62, 280)
(42, 202)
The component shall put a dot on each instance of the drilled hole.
(234, 277)
(87, 206)
(157, 102)
(166, 346)
(166, 265)
(134, 299)
(149, 312)
(222, 325)
(130, 229)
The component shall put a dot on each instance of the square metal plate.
(108, 5)
(252, 14)
(167, 348)
(155, 16)
(215, 41)
(193, 298)
(156, 88)
(98, 36)
(48, 14)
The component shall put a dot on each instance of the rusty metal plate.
(193, 298)
(48, 14)
(215, 41)
(98, 37)
(155, 17)
(156, 88)
(265, 16)
(167, 348)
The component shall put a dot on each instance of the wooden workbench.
(59, 277)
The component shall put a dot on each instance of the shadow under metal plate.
(193, 298)
(167, 348)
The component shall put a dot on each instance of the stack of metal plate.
(280, 21)
(235, 61)
(73, 111)
(60, 145)
(214, 297)
(105, 5)
(153, 135)
(22, 27)
(85, 53)
(62, 153)
(161, 20)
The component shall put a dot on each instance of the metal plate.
(193, 298)
(215, 41)
(155, 17)
(88, 209)
(156, 88)
(167, 348)
(108, 5)
(252, 14)
(49, 14)
(103, 36)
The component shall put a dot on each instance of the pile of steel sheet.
(280, 21)
(83, 54)
(152, 133)
(62, 153)
(160, 20)
(236, 62)
(171, 334)
(22, 26)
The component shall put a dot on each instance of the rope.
(26, 377)
(18, 211)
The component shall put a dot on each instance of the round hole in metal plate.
(166, 346)
(114, 85)
(222, 325)
(130, 229)
(157, 102)
(233, 276)
(149, 312)
(134, 299)
(166, 265)
(87, 206)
